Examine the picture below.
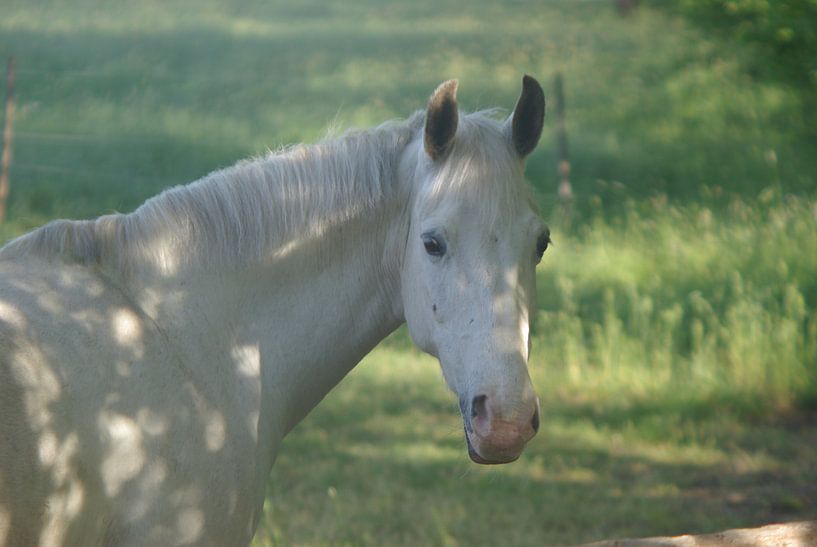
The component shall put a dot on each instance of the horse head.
(468, 274)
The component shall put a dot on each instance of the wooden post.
(565, 189)
(8, 137)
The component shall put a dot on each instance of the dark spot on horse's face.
(434, 307)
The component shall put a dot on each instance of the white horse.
(151, 363)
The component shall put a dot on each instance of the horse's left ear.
(528, 117)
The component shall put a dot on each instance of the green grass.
(675, 346)
(382, 461)
(687, 299)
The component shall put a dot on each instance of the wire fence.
(86, 174)
(36, 149)
(82, 137)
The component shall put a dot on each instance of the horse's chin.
(477, 458)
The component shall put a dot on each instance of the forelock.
(481, 173)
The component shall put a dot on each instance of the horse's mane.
(243, 211)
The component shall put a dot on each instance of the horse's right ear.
(441, 120)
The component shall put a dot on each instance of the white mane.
(481, 170)
(241, 212)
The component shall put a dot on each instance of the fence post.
(8, 137)
(565, 188)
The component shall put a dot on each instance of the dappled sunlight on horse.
(151, 363)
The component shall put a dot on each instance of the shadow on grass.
(385, 463)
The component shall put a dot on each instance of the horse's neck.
(318, 314)
(296, 320)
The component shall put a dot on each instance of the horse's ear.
(441, 120)
(528, 117)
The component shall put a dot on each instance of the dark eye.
(434, 244)
(542, 244)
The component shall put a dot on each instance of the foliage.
(784, 31)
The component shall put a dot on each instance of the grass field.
(676, 339)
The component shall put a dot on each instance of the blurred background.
(675, 344)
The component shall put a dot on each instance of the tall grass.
(666, 299)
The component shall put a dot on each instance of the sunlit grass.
(687, 300)
(654, 105)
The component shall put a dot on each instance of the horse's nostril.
(478, 406)
(535, 421)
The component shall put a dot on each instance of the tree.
(783, 33)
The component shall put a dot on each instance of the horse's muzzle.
(492, 439)
(476, 458)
